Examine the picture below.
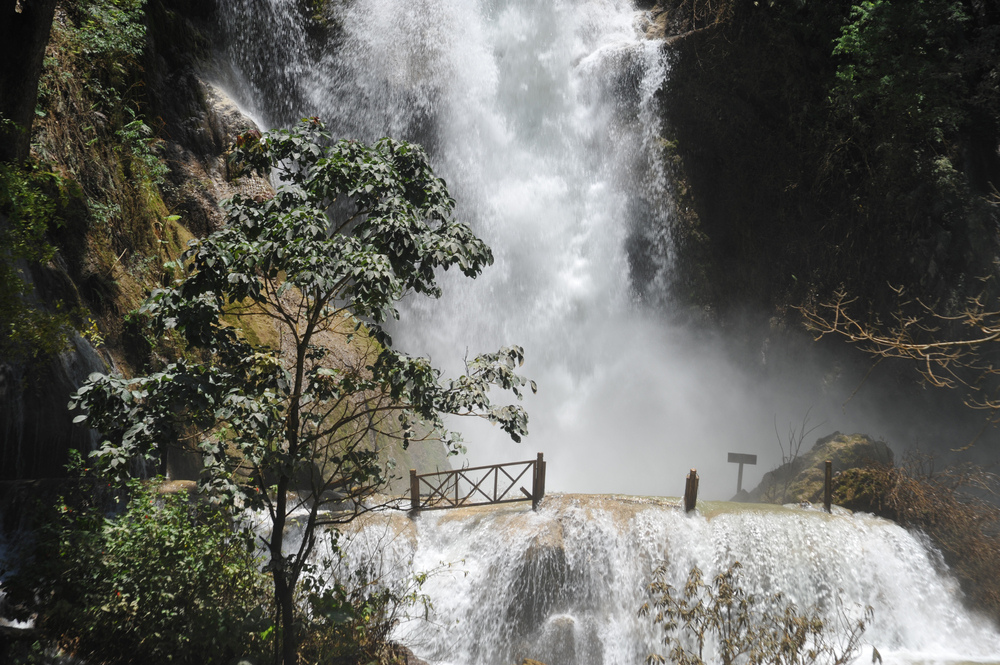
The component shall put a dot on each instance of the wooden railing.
(477, 486)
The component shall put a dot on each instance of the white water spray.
(564, 585)
(543, 119)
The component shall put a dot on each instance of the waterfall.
(563, 585)
(543, 118)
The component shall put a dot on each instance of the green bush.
(352, 608)
(167, 580)
(30, 201)
(112, 36)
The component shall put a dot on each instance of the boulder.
(409, 658)
(801, 479)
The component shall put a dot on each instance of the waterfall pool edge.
(563, 584)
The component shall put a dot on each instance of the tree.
(350, 230)
(24, 33)
(955, 351)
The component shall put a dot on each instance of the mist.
(543, 119)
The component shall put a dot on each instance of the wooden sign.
(741, 459)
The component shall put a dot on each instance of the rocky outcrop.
(36, 428)
(653, 22)
(196, 122)
(200, 121)
(199, 170)
(801, 479)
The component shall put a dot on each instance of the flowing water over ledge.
(543, 117)
(563, 584)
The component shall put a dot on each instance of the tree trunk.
(284, 581)
(284, 593)
(24, 33)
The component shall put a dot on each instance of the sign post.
(741, 459)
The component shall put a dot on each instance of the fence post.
(538, 482)
(828, 487)
(691, 491)
(414, 492)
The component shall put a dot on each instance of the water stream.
(563, 585)
(542, 116)
(543, 119)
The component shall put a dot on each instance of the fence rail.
(478, 486)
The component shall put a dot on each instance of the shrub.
(29, 212)
(950, 506)
(722, 619)
(167, 580)
(353, 605)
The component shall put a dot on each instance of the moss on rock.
(801, 478)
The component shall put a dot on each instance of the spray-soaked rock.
(539, 584)
(801, 478)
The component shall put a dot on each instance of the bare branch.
(953, 351)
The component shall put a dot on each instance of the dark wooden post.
(828, 487)
(691, 491)
(538, 482)
(414, 492)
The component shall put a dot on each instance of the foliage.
(899, 62)
(301, 416)
(167, 580)
(29, 204)
(832, 145)
(30, 211)
(112, 35)
(138, 137)
(955, 507)
(354, 603)
(723, 622)
(916, 90)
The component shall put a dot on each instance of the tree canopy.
(350, 230)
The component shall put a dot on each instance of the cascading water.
(563, 585)
(543, 119)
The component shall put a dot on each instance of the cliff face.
(813, 151)
(134, 139)
(132, 136)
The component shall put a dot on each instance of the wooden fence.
(477, 486)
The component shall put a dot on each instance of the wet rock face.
(199, 120)
(200, 172)
(539, 586)
(36, 428)
(199, 124)
(801, 479)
